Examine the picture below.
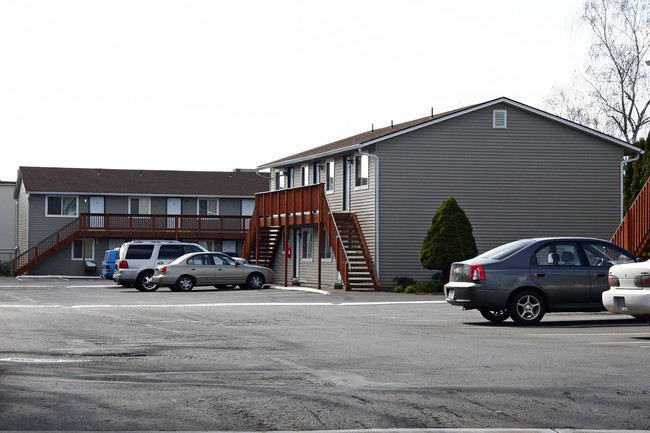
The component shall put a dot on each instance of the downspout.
(625, 161)
(376, 157)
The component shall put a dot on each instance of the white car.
(629, 291)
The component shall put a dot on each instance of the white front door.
(173, 208)
(96, 207)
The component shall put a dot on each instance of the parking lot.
(90, 355)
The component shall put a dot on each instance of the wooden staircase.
(633, 233)
(45, 249)
(268, 246)
(278, 211)
(361, 271)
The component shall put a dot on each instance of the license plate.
(451, 294)
(619, 303)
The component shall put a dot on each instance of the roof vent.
(500, 118)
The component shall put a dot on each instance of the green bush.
(450, 238)
(428, 287)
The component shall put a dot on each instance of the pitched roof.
(375, 135)
(140, 182)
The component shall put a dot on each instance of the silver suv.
(136, 261)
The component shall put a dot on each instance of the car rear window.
(506, 250)
(139, 252)
(170, 252)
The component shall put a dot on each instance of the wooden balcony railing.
(174, 227)
(633, 233)
(165, 226)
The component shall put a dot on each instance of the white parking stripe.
(224, 304)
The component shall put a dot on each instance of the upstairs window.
(329, 176)
(139, 205)
(304, 175)
(317, 168)
(290, 177)
(208, 207)
(361, 171)
(280, 179)
(499, 119)
(61, 206)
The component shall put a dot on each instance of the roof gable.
(377, 135)
(140, 182)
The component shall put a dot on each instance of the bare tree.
(617, 94)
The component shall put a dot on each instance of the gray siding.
(41, 226)
(534, 178)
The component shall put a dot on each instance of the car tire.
(185, 283)
(144, 282)
(255, 281)
(495, 316)
(527, 307)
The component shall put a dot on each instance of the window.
(304, 175)
(78, 252)
(280, 179)
(601, 254)
(316, 172)
(499, 118)
(61, 206)
(558, 254)
(139, 205)
(208, 207)
(361, 171)
(139, 252)
(326, 250)
(201, 260)
(329, 176)
(307, 245)
(290, 177)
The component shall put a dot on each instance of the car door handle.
(540, 274)
(600, 274)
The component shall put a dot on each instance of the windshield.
(504, 251)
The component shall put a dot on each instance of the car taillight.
(123, 264)
(613, 281)
(642, 281)
(108, 268)
(476, 273)
(163, 269)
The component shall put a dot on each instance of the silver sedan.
(210, 269)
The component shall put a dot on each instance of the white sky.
(217, 85)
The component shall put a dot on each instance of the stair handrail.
(43, 249)
(633, 232)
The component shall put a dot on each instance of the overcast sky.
(215, 85)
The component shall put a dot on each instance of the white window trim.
(302, 245)
(304, 170)
(88, 257)
(140, 198)
(198, 205)
(495, 116)
(47, 210)
(333, 190)
(361, 187)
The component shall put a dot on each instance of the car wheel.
(255, 281)
(184, 283)
(144, 283)
(527, 307)
(495, 316)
